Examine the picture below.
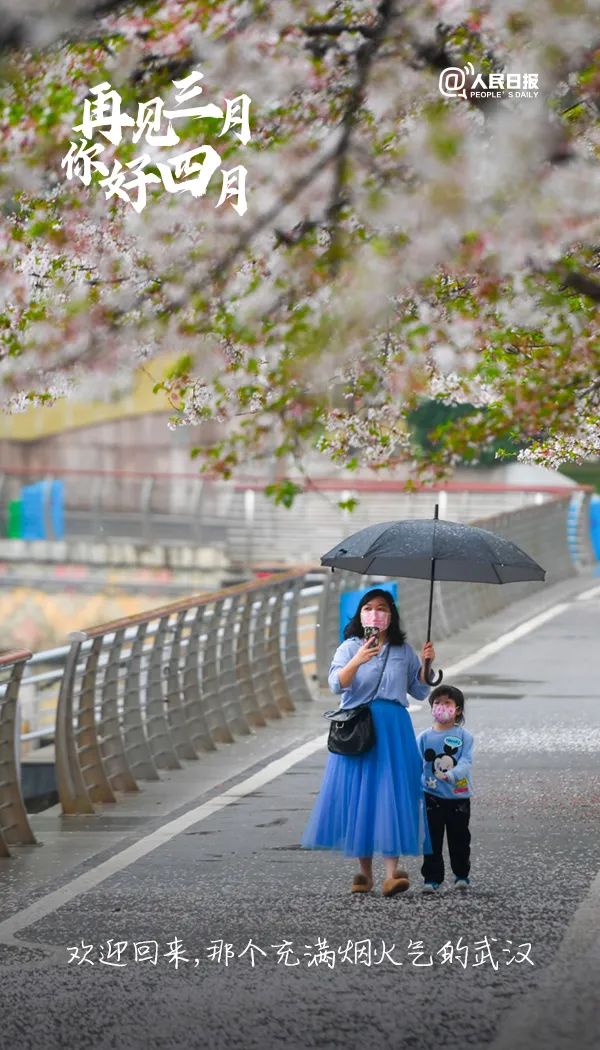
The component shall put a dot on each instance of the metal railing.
(39, 690)
(152, 691)
(43, 684)
(142, 694)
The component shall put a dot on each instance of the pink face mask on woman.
(375, 618)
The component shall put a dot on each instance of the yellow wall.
(68, 413)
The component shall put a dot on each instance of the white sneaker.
(461, 884)
(430, 887)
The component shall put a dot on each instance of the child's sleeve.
(463, 766)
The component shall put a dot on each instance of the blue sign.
(349, 602)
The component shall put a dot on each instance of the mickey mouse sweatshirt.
(446, 751)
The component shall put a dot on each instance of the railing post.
(228, 690)
(88, 745)
(294, 672)
(157, 726)
(578, 528)
(137, 749)
(111, 739)
(215, 716)
(261, 681)
(279, 685)
(72, 791)
(193, 705)
(327, 624)
(243, 670)
(14, 822)
(175, 711)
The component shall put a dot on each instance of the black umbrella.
(430, 549)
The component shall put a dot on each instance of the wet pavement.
(150, 963)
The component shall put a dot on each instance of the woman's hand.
(369, 649)
(427, 652)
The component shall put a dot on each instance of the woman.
(373, 803)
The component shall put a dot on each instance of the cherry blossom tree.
(397, 244)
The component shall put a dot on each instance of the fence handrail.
(134, 701)
(14, 656)
(196, 601)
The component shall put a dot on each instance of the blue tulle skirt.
(374, 803)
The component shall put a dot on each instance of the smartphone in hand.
(370, 633)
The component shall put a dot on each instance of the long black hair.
(395, 634)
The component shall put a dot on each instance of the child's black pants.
(452, 816)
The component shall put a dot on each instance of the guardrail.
(145, 693)
(39, 691)
(149, 692)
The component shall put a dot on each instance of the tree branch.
(582, 284)
(20, 23)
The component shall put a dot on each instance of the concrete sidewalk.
(564, 1011)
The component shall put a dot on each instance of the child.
(446, 751)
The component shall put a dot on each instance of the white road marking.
(503, 640)
(90, 879)
(588, 594)
(508, 638)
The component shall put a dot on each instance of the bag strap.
(380, 676)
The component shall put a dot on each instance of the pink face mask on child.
(443, 713)
(375, 618)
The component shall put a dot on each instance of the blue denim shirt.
(401, 675)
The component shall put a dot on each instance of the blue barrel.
(57, 509)
(33, 525)
(43, 511)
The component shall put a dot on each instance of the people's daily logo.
(464, 82)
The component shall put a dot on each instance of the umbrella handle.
(429, 676)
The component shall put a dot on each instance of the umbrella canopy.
(430, 548)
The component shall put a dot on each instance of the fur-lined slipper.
(397, 884)
(361, 884)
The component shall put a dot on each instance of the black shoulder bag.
(352, 731)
